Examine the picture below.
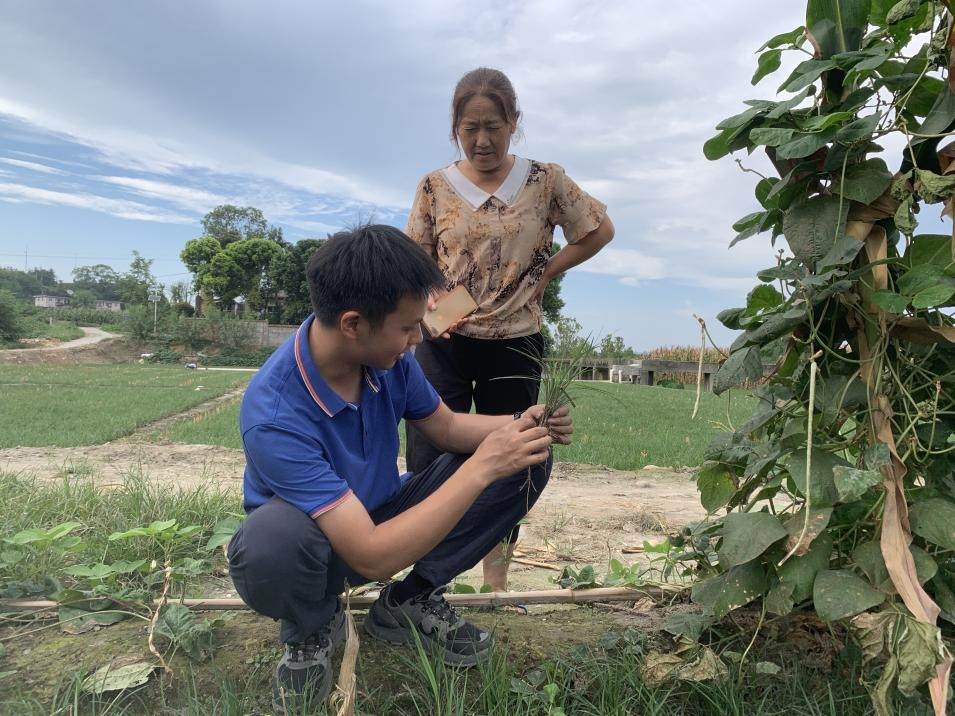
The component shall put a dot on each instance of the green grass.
(217, 427)
(621, 426)
(39, 327)
(629, 426)
(562, 660)
(82, 405)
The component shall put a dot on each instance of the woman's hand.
(433, 306)
(538, 296)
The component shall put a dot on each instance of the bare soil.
(587, 514)
(104, 350)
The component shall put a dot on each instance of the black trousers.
(283, 566)
(473, 370)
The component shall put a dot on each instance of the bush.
(10, 325)
(85, 316)
(236, 359)
(187, 332)
(139, 321)
(670, 383)
(165, 355)
(184, 308)
(230, 333)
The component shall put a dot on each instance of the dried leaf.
(117, 678)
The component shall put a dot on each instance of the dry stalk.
(346, 688)
(813, 370)
(167, 580)
(699, 367)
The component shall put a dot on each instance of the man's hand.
(516, 446)
(560, 425)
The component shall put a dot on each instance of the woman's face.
(484, 134)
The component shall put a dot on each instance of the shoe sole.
(337, 637)
(400, 636)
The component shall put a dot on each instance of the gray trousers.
(284, 567)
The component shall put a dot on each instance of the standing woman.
(488, 220)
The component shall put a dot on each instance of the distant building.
(47, 301)
(103, 305)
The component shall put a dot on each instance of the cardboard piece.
(451, 307)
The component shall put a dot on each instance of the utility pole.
(154, 297)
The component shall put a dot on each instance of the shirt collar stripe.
(304, 373)
(371, 383)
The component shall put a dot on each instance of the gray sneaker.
(437, 624)
(303, 677)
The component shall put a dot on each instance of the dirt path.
(90, 336)
(586, 515)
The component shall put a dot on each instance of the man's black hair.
(369, 270)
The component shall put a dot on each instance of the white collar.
(507, 192)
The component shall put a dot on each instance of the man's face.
(382, 347)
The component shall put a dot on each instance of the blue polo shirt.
(309, 447)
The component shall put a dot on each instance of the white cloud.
(106, 205)
(33, 166)
(197, 200)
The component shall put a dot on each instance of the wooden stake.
(487, 599)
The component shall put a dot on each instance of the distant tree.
(223, 273)
(83, 298)
(228, 223)
(21, 284)
(101, 279)
(287, 274)
(10, 326)
(179, 292)
(135, 285)
(566, 335)
(614, 348)
(552, 303)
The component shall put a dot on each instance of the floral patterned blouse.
(498, 244)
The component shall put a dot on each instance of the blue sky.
(121, 124)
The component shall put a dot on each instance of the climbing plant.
(839, 493)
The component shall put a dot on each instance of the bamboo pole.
(486, 599)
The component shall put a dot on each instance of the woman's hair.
(484, 82)
(368, 269)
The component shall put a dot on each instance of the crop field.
(621, 426)
(80, 405)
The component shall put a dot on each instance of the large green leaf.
(823, 487)
(823, 121)
(868, 557)
(771, 136)
(835, 26)
(780, 109)
(864, 182)
(931, 249)
(812, 227)
(851, 484)
(843, 251)
(806, 73)
(934, 520)
(859, 129)
(746, 535)
(768, 63)
(800, 571)
(730, 590)
(793, 37)
(890, 301)
(717, 484)
(940, 117)
(804, 145)
(741, 366)
(839, 594)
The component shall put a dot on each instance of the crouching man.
(326, 505)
